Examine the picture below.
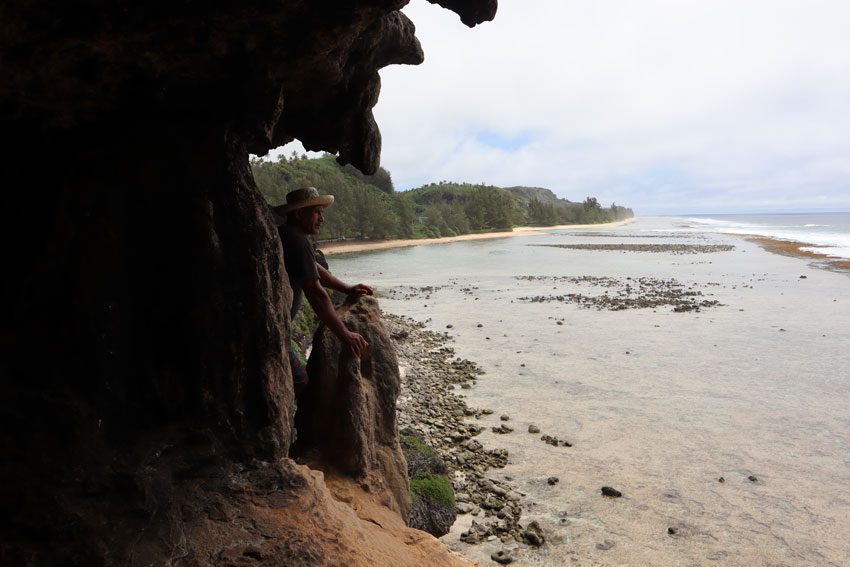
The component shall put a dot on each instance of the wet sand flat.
(657, 403)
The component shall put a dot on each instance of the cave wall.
(150, 325)
(146, 301)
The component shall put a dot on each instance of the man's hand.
(360, 290)
(356, 343)
(321, 303)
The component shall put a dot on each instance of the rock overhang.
(273, 70)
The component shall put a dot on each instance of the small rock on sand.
(555, 442)
(752, 478)
(503, 556)
(552, 480)
(533, 429)
(533, 534)
(504, 417)
(612, 492)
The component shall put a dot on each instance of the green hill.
(526, 194)
(367, 206)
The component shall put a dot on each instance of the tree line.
(369, 207)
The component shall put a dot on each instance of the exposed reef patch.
(626, 293)
(804, 250)
(673, 235)
(658, 248)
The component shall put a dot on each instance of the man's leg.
(299, 374)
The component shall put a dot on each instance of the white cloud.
(664, 105)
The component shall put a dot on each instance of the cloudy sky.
(668, 106)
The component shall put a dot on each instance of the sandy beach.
(698, 374)
(347, 246)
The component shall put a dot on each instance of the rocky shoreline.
(430, 408)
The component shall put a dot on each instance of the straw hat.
(304, 197)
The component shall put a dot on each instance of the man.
(304, 212)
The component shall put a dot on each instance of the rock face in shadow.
(347, 416)
(272, 70)
(150, 321)
(146, 300)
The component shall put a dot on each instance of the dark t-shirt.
(299, 260)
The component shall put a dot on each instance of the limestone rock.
(471, 12)
(436, 518)
(347, 415)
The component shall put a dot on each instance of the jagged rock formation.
(347, 417)
(144, 384)
(270, 70)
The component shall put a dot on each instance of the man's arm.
(321, 304)
(331, 281)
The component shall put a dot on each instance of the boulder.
(346, 418)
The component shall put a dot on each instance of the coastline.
(349, 246)
(565, 367)
(487, 509)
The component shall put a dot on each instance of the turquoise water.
(657, 403)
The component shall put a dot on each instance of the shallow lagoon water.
(657, 404)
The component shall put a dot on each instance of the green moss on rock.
(413, 443)
(433, 487)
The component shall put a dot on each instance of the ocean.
(671, 353)
(830, 232)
